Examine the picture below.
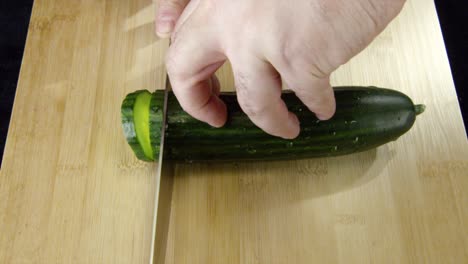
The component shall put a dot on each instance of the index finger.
(191, 67)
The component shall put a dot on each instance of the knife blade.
(163, 194)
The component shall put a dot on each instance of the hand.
(299, 42)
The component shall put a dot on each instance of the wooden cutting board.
(71, 190)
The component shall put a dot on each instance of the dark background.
(14, 20)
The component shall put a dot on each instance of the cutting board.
(71, 191)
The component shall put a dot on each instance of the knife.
(163, 194)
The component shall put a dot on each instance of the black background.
(14, 20)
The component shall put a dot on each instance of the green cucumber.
(156, 119)
(365, 118)
(136, 123)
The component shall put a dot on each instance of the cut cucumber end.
(141, 120)
(419, 109)
(135, 123)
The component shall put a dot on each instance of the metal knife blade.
(163, 194)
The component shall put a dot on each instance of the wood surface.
(71, 191)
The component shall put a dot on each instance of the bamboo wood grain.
(71, 190)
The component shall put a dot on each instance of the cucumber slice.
(135, 123)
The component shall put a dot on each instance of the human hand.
(299, 42)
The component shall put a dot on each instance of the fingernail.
(165, 27)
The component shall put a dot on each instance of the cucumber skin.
(128, 125)
(156, 119)
(366, 117)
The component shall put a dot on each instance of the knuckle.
(316, 71)
(318, 53)
(303, 58)
(193, 108)
(248, 101)
(172, 62)
(286, 52)
(252, 109)
(241, 81)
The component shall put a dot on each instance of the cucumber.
(136, 123)
(366, 117)
(156, 119)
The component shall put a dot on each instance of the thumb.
(167, 15)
